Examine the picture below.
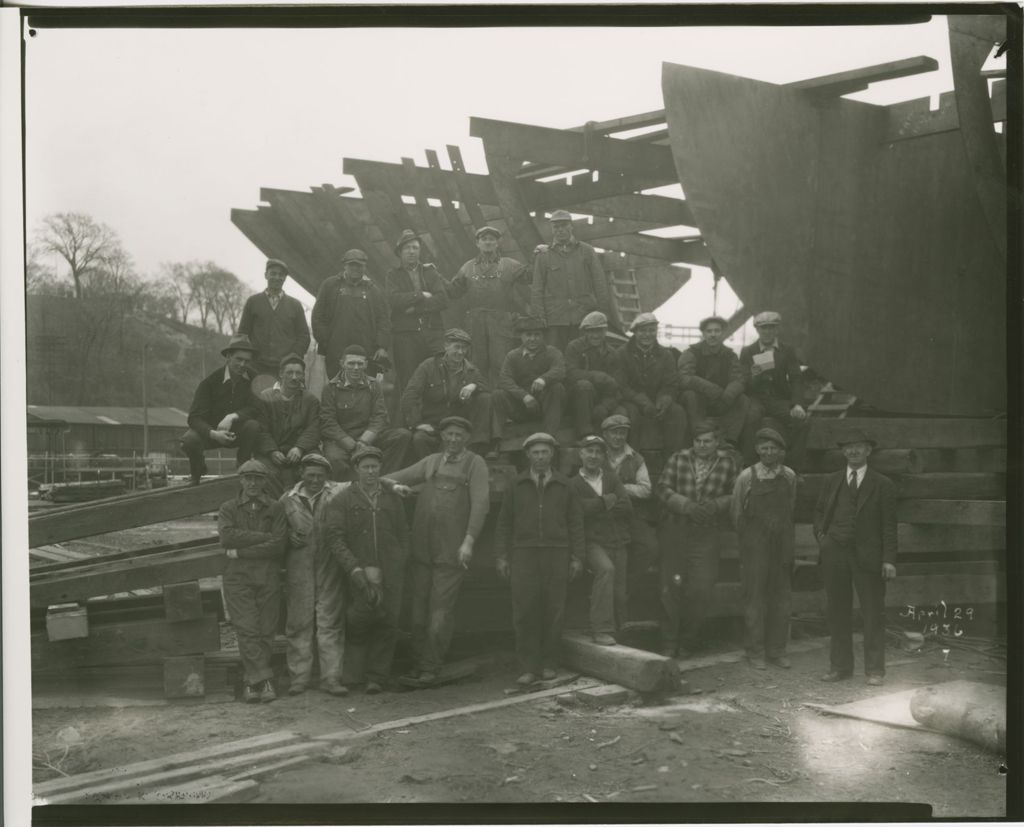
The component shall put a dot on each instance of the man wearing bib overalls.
(449, 517)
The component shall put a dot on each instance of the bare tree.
(40, 278)
(227, 297)
(81, 241)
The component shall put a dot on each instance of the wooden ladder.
(626, 295)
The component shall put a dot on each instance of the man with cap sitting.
(274, 321)
(568, 282)
(450, 513)
(592, 367)
(712, 385)
(696, 489)
(416, 294)
(539, 546)
(365, 531)
(650, 387)
(353, 414)
(631, 469)
(489, 284)
(530, 386)
(762, 511)
(606, 511)
(351, 310)
(289, 419)
(223, 409)
(774, 384)
(444, 385)
(855, 523)
(253, 531)
(315, 587)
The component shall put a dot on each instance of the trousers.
(689, 571)
(539, 577)
(194, 445)
(393, 442)
(591, 406)
(252, 592)
(376, 627)
(609, 600)
(491, 332)
(435, 590)
(316, 602)
(842, 575)
(551, 400)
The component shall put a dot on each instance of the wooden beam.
(142, 508)
(448, 257)
(332, 202)
(622, 665)
(667, 249)
(510, 198)
(463, 236)
(921, 487)
(657, 209)
(953, 512)
(856, 80)
(911, 432)
(469, 195)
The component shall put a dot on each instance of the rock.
(599, 696)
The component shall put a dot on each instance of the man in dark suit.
(274, 321)
(855, 524)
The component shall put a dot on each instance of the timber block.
(182, 601)
(66, 621)
(184, 677)
(633, 668)
(607, 695)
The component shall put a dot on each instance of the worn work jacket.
(276, 332)
(648, 379)
(604, 526)
(433, 389)
(410, 310)
(346, 315)
(490, 284)
(359, 533)
(598, 365)
(287, 423)
(304, 517)
(712, 375)
(349, 410)
(783, 381)
(519, 370)
(533, 519)
(256, 528)
(568, 283)
(216, 397)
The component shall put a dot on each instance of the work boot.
(757, 663)
(874, 680)
(548, 675)
(781, 661)
(267, 693)
(526, 679)
(602, 639)
(332, 686)
(373, 688)
(251, 694)
(833, 676)
(297, 688)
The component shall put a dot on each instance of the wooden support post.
(183, 601)
(622, 665)
(66, 621)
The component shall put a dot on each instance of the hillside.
(89, 353)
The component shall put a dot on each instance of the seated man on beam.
(530, 385)
(592, 366)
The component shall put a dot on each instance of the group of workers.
(323, 479)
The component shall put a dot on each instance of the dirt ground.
(741, 736)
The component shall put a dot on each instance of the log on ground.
(973, 711)
(622, 665)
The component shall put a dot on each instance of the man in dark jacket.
(568, 282)
(289, 419)
(650, 388)
(592, 369)
(351, 310)
(353, 414)
(530, 386)
(606, 512)
(416, 295)
(539, 545)
(712, 386)
(365, 530)
(253, 530)
(774, 385)
(444, 385)
(223, 409)
(274, 321)
(855, 523)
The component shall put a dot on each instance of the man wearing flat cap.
(855, 523)
(712, 385)
(763, 502)
(696, 489)
(489, 286)
(315, 591)
(353, 414)
(775, 387)
(448, 384)
(253, 529)
(274, 321)
(606, 511)
(530, 385)
(223, 412)
(450, 512)
(416, 293)
(351, 310)
(289, 419)
(592, 368)
(568, 282)
(650, 388)
(631, 469)
(539, 546)
(364, 529)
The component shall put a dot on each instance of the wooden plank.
(856, 80)
(467, 197)
(919, 460)
(911, 432)
(463, 235)
(503, 169)
(668, 249)
(658, 209)
(143, 508)
(623, 665)
(448, 256)
(182, 601)
(918, 487)
(885, 461)
(302, 221)
(136, 642)
(953, 512)
(357, 227)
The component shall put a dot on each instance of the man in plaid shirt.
(696, 488)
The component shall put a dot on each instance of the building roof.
(73, 415)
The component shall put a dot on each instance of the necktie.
(853, 482)
(540, 480)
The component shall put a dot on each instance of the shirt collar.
(586, 476)
(488, 258)
(274, 294)
(762, 471)
(227, 374)
(860, 473)
(536, 479)
(457, 458)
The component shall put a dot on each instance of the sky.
(160, 133)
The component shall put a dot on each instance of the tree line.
(94, 268)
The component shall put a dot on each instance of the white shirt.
(597, 483)
(860, 474)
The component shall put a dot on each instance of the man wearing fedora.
(530, 385)
(223, 409)
(351, 310)
(448, 384)
(855, 523)
(274, 321)
(416, 294)
(488, 286)
(568, 282)
(450, 513)
(539, 547)
(712, 385)
(592, 368)
(775, 387)
(762, 511)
